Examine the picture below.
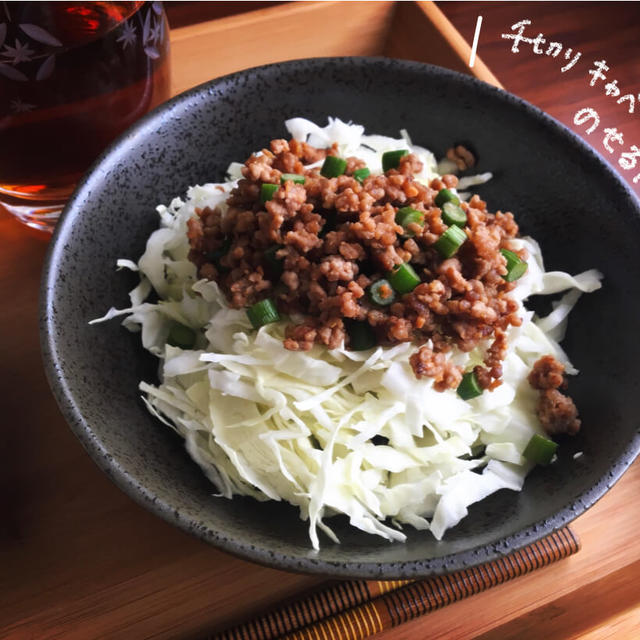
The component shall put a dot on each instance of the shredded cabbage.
(299, 426)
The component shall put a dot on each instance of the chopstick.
(356, 609)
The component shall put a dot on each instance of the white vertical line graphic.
(476, 37)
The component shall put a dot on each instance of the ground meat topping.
(558, 414)
(462, 157)
(426, 362)
(556, 411)
(315, 248)
(547, 373)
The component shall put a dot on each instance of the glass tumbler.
(73, 76)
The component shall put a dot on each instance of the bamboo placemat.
(356, 609)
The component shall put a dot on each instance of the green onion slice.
(361, 335)
(382, 293)
(403, 278)
(450, 241)
(446, 195)
(407, 216)
(361, 174)
(469, 387)
(540, 449)
(391, 159)
(181, 336)
(267, 191)
(453, 214)
(292, 177)
(263, 312)
(333, 167)
(516, 266)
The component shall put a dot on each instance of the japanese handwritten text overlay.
(598, 75)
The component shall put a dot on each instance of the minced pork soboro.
(362, 258)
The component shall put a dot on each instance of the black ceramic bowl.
(562, 193)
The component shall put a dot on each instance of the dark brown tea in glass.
(73, 76)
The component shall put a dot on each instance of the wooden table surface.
(80, 560)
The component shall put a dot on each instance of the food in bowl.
(339, 328)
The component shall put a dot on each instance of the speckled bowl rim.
(273, 558)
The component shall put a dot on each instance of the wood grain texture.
(80, 560)
(182, 14)
(296, 30)
(619, 592)
(413, 31)
(598, 30)
(421, 31)
(361, 609)
(623, 626)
